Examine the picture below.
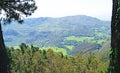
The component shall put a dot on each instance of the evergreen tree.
(12, 10)
(49, 61)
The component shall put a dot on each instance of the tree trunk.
(115, 39)
(4, 63)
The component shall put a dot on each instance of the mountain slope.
(67, 32)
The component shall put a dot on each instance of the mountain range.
(70, 33)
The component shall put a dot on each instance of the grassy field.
(78, 39)
(70, 47)
(55, 49)
(85, 39)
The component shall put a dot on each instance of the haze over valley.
(69, 34)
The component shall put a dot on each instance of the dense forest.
(31, 59)
(65, 47)
(61, 46)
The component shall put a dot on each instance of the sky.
(101, 9)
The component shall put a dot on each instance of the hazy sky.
(101, 9)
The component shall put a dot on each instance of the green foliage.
(35, 31)
(16, 9)
(88, 39)
(70, 47)
(78, 39)
(48, 61)
(62, 32)
(101, 41)
(55, 49)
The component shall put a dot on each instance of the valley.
(67, 34)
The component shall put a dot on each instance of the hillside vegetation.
(31, 59)
(72, 33)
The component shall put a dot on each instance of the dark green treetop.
(16, 10)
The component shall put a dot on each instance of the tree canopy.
(12, 10)
(16, 10)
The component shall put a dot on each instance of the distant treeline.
(30, 59)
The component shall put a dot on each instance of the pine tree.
(12, 10)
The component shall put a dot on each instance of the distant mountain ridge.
(64, 32)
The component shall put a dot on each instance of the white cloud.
(59, 8)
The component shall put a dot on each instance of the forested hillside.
(68, 34)
(31, 59)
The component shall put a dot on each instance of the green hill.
(72, 33)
